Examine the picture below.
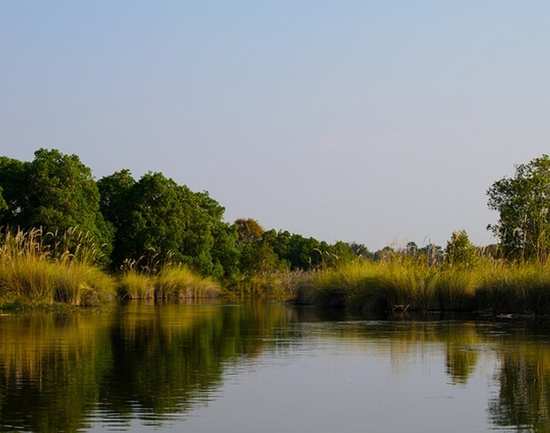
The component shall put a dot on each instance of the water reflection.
(66, 372)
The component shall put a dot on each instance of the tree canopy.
(460, 251)
(152, 220)
(53, 191)
(522, 201)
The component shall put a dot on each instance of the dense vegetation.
(406, 284)
(163, 239)
(63, 230)
(48, 268)
(150, 221)
(513, 276)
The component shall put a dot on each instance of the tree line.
(153, 220)
(147, 222)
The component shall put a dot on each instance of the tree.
(305, 253)
(15, 188)
(256, 247)
(411, 248)
(360, 250)
(385, 253)
(153, 221)
(3, 204)
(248, 230)
(460, 251)
(522, 201)
(225, 251)
(114, 191)
(340, 252)
(158, 221)
(54, 191)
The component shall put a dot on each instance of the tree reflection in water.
(59, 372)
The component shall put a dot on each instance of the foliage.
(172, 282)
(157, 217)
(522, 202)
(487, 284)
(54, 191)
(460, 251)
(152, 222)
(248, 230)
(179, 282)
(114, 191)
(47, 268)
(136, 285)
(3, 204)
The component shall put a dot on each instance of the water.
(269, 368)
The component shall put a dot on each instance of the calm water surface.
(269, 368)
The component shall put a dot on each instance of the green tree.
(255, 246)
(154, 221)
(460, 251)
(360, 250)
(3, 204)
(340, 252)
(225, 251)
(54, 191)
(522, 201)
(15, 188)
(158, 221)
(305, 253)
(114, 191)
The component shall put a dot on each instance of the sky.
(377, 122)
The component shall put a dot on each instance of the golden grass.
(180, 282)
(33, 271)
(172, 282)
(136, 285)
(415, 285)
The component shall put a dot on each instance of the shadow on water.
(59, 372)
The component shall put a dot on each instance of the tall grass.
(44, 268)
(404, 283)
(136, 285)
(171, 282)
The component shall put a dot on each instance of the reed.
(180, 282)
(405, 283)
(136, 285)
(172, 282)
(44, 268)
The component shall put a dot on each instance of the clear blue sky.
(379, 122)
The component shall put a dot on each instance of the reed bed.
(171, 282)
(407, 284)
(45, 268)
(136, 285)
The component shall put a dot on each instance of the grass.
(52, 269)
(403, 283)
(172, 282)
(136, 285)
(38, 268)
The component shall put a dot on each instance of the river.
(270, 368)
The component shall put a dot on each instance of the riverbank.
(404, 284)
(36, 269)
(39, 271)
